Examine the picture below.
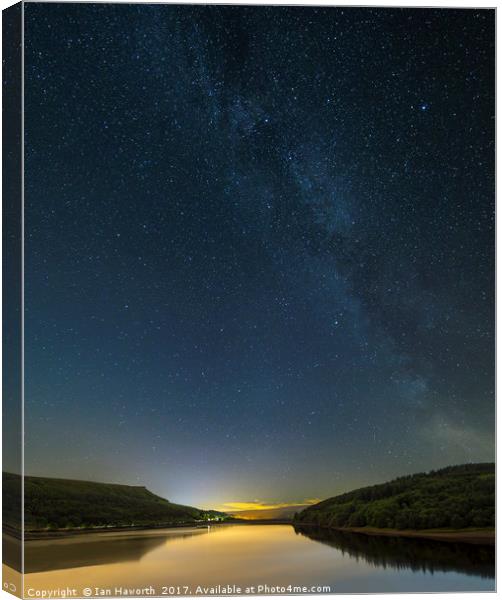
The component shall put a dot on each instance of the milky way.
(259, 246)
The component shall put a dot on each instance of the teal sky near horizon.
(259, 246)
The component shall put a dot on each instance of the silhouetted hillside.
(454, 497)
(66, 503)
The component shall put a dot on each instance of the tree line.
(454, 497)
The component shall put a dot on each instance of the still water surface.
(256, 555)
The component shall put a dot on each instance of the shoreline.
(39, 534)
(467, 536)
(66, 533)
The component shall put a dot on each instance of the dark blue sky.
(259, 246)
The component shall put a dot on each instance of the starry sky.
(259, 247)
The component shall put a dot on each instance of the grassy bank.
(468, 535)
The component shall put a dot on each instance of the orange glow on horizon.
(264, 510)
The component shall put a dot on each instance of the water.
(248, 556)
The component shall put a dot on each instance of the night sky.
(259, 247)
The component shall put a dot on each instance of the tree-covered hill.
(66, 503)
(454, 497)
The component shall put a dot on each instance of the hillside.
(454, 497)
(67, 503)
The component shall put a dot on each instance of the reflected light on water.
(243, 555)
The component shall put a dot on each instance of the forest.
(455, 497)
(53, 504)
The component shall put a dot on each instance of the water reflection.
(97, 549)
(408, 553)
(250, 555)
(11, 551)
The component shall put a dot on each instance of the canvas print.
(248, 300)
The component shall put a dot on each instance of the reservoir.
(252, 559)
